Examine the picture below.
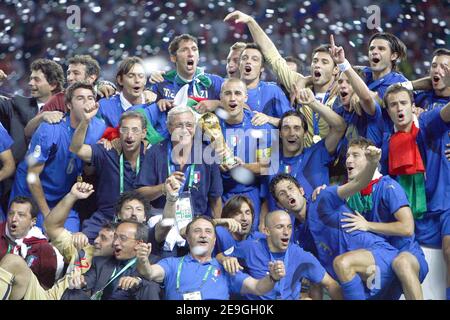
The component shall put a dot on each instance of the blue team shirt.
(255, 257)
(169, 88)
(432, 140)
(269, 99)
(224, 239)
(366, 126)
(380, 86)
(331, 240)
(107, 168)
(241, 142)
(158, 119)
(310, 169)
(50, 145)
(428, 100)
(5, 143)
(110, 110)
(207, 179)
(217, 286)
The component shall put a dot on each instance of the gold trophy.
(210, 125)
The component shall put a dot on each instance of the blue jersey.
(207, 181)
(310, 169)
(158, 119)
(366, 126)
(50, 145)
(107, 169)
(269, 99)
(242, 141)
(428, 100)
(224, 239)
(5, 143)
(432, 140)
(110, 110)
(380, 86)
(255, 256)
(331, 240)
(172, 84)
(217, 286)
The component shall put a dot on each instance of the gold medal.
(316, 138)
(79, 179)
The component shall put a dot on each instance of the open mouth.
(190, 63)
(292, 202)
(285, 241)
(202, 242)
(129, 143)
(375, 60)
(13, 227)
(137, 89)
(401, 116)
(292, 140)
(232, 105)
(248, 69)
(244, 226)
(117, 251)
(317, 74)
(349, 170)
(436, 79)
(343, 94)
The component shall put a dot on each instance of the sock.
(353, 289)
(448, 293)
(6, 280)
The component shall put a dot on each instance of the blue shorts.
(384, 256)
(431, 229)
(256, 201)
(417, 252)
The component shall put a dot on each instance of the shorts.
(432, 228)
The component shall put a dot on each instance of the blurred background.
(112, 30)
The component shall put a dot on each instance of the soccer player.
(233, 59)
(8, 166)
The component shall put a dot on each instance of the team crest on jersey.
(287, 169)
(37, 151)
(216, 273)
(30, 260)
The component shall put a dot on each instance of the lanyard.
(279, 285)
(171, 169)
(180, 265)
(121, 169)
(114, 275)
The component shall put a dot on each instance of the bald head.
(273, 217)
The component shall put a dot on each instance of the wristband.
(344, 66)
(407, 84)
(273, 279)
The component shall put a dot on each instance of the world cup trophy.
(210, 125)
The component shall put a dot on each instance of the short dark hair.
(92, 66)
(125, 67)
(441, 52)
(233, 205)
(323, 48)
(52, 71)
(111, 226)
(133, 114)
(294, 113)
(175, 43)
(253, 45)
(141, 230)
(133, 195)
(77, 85)
(395, 88)
(34, 210)
(277, 179)
(396, 45)
(295, 60)
(209, 219)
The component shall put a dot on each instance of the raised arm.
(286, 76)
(358, 85)
(150, 272)
(172, 187)
(373, 155)
(77, 145)
(336, 122)
(54, 222)
(445, 111)
(262, 286)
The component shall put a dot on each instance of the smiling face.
(278, 230)
(20, 220)
(251, 66)
(381, 56)
(245, 218)
(345, 89)
(131, 134)
(39, 86)
(103, 243)
(80, 99)
(201, 237)
(323, 69)
(133, 210)
(125, 242)
(399, 107)
(76, 72)
(289, 196)
(437, 71)
(356, 161)
(182, 128)
(233, 97)
(133, 82)
(292, 135)
(186, 59)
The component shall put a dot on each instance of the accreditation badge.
(196, 295)
(316, 138)
(183, 210)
